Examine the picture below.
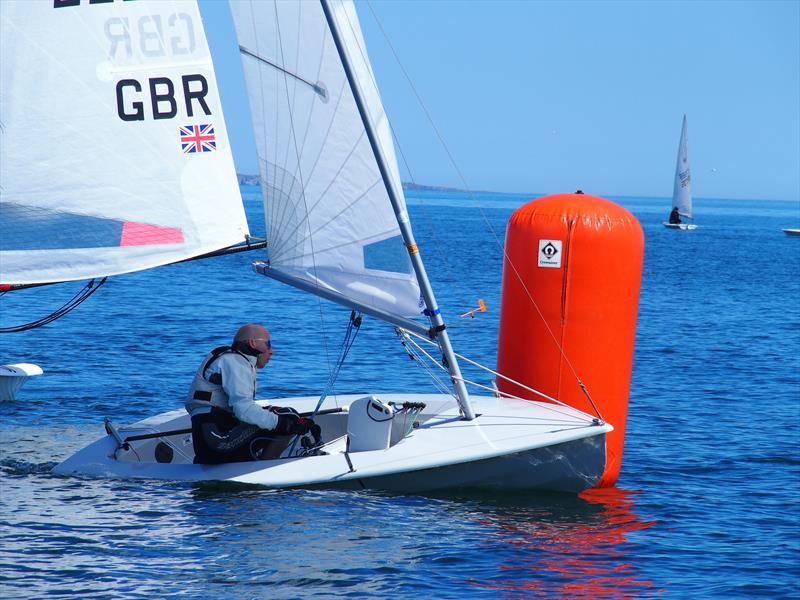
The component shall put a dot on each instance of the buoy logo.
(550, 254)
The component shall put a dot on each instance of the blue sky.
(543, 97)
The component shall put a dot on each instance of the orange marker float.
(570, 294)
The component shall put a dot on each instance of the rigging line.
(517, 383)
(67, 307)
(421, 349)
(438, 383)
(443, 387)
(303, 197)
(552, 408)
(432, 235)
(353, 327)
(353, 324)
(483, 214)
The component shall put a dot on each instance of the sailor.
(674, 216)
(227, 423)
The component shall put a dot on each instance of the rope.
(440, 385)
(89, 289)
(408, 334)
(554, 409)
(349, 337)
(353, 327)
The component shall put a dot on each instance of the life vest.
(206, 393)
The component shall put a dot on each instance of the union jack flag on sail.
(198, 138)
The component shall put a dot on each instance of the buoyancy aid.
(206, 391)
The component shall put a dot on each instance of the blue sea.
(706, 505)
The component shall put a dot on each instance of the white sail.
(113, 151)
(330, 222)
(682, 192)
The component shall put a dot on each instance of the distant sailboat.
(682, 192)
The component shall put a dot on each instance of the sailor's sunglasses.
(266, 341)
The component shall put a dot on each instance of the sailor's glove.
(291, 424)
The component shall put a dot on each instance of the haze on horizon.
(545, 97)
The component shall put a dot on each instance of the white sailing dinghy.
(682, 192)
(13, 376)
(336, 217)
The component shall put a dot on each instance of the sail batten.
(114, 156)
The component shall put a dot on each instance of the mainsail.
(114, 155)
(682, 192)
(331, 226)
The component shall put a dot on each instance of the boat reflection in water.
(567, 547)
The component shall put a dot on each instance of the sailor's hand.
(301, 426)
(285, 424)
(292, 424)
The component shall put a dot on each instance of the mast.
(438, 328)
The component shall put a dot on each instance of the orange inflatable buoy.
(570, 294)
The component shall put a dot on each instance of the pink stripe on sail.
(142, 234)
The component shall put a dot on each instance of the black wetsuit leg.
(219, 437)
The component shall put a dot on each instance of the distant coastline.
(253, 180)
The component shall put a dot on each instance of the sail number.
(161, 91)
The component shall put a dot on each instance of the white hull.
(682, 226)
(512, 444)
(13, 376)
(791, 231)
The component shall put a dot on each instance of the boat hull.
(681, 226)
(791, 231)
(568, 467)
(13, 376)
(512, 444)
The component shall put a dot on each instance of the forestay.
(330, 222)
(113, 147)
(682, 192)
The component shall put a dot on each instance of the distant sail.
(682, 192)
(114, 155)
(330, 222)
